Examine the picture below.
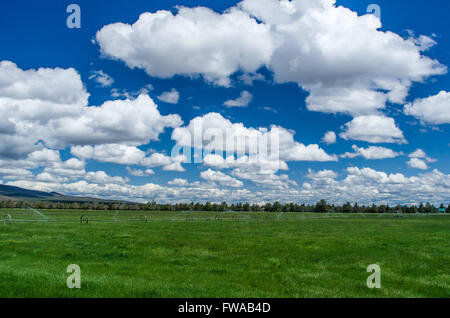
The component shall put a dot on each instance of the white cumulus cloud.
(103, 79)
(345, 62)
(329, 138)
(242, 101)
(194, 41)
(221, 178)
(170, 97)
(214, 133)
(372, 152)
(433, 109)
(50, 105)
(373, 129)
(417, 163)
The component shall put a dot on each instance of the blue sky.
(405, 159)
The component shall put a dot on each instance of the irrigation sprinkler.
(115, 215)
(143, 218)
(7, 219)
(217, 218)
(189, 218)
(39, 213)
(84, 219)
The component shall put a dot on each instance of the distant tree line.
(320, 207)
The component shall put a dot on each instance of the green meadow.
(210, 254)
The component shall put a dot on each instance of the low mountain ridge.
(20, 194)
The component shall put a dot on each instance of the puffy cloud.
(17, 146)
(48, 177)
(172, 163)
(417, 163)
(348, 100)
(362, 185)
(248, 79)
(300, 152)
(366, 185)
(423, 42)
(329, 138)
(265, 178)
(15, 173)
(157, 160)
(54, 170)
(419, 153)
(170, 97)
(49, 106)
(58, 86)
(418, 160)
(195, 41)
(103, 79)
(375, 176)
(44, 155)
(131, 122)
(213, 133)
(140, 172)
(343, 60)
(128, 155)
(133, 94)
(373, 129)
(242, 101)
(262, 163)
(115, 153)
(142, 193)
(253, 154)
(433, 109)
(221, 178)
(100, 177)
(48, 159)
(372, 153)
(258, 169)
(178, 182)
(321, 175)
(174, 166)
(29, 100)
(72, 168)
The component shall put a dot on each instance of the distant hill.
(20, 194)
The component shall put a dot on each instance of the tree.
(321, 206)
(373, 209)
(428, 208)
(347, 207)
(276, 207)
(421, 208)
(223, 206)
(268, 207)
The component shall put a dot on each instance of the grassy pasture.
(202, 254)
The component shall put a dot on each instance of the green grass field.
(239, 255)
